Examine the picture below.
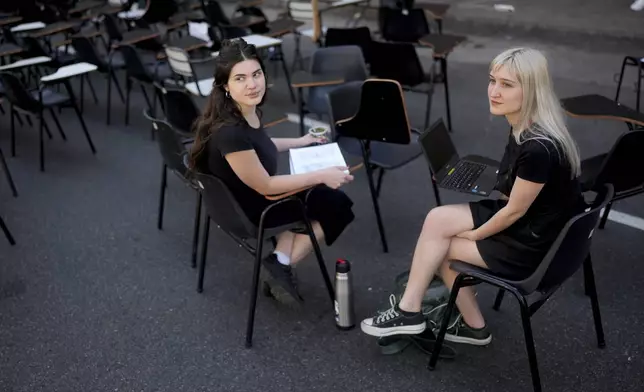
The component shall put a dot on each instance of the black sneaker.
(282, 282)
(393, 322)
(460, 332)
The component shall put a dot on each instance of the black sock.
(407, 314)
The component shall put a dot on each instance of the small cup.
(320, 133)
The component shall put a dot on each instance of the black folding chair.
(619, 167)
(329, 68)
(370, 120)
(570, 250)
(632, 61)
(400, 62)
(228, 215)
(358, 36)
(398, 26)
(173, 151)
(34, 103)
(86, 52)
(142, 74)
(180, 109)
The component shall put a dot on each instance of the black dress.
(517, 251)
(332, 208)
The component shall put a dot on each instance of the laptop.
(471, 174)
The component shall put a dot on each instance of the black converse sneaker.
(394, 321)
(460, 332)
(282, 282)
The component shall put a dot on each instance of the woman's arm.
(285, 144)
(250, 170)
(521, 198)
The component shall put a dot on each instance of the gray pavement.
(95, 298)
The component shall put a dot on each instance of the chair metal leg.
(640, 70)
(7, 233)
(91, 89)
(286, 73)
(112, 76)
(374, 197)
(318, 256)
(255, 286)
(60, 129)
(47, 130)
(604, 218)
(13, 130)
(428, 109)
(82, 93)
(594, 301)
(300, 105)
(443, 62)
(529, 341)
(7, 174)
(499, 299)
(70, 92)
(437, 195)
(456, 287)
(621, 78)
(128, 90)
(195, 235)
(164, 177)
(204, 252)
(27, 117)
(41, 127)
(381, 174)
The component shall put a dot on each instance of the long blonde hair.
(540, 104)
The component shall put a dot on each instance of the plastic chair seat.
(159, 73)
(50, 97)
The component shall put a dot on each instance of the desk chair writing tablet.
(600, 107)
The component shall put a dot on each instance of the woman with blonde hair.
(538, 182)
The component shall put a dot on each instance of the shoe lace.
(388, 314)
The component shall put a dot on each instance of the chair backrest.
(222, 207)
(403, 26)
(623, 164)
(381, 116)
(86, 52)
(215, 14)
(397, 61)
(359, 36)
(180, 110)
(133, 63)
(111, 28)
(571, 247)
(256, 28)
(347, 61)
(343, 102)
(305, 11)
(16, 93)
(34, 47)
(179, 61)
(170, 146)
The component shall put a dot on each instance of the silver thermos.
(344, 316)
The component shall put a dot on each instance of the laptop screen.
(437, 146)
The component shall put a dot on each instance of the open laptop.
(471, 174)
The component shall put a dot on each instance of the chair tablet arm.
(272, 123)
(304, 79)
(295, 191)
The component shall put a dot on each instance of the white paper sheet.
(308, 159)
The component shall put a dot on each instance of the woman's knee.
(447, 221)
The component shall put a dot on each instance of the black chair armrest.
(479, 273)
(304, 79)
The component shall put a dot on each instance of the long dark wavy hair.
(221, 109)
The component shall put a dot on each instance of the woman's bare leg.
(441, 225)
(302, 245)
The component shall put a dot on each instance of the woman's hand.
(471, 235)
(309, 139)
(335, 177)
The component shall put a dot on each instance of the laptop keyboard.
(464, 175)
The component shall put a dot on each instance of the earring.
(227, 94)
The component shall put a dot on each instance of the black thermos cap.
(342, 266)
